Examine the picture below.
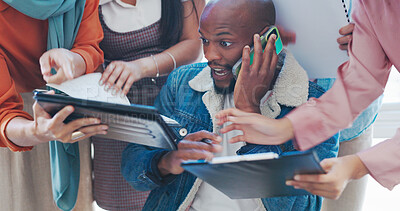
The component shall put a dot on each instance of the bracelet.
(155, 62)
(172, 57)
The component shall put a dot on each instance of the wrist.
(163, 165)
(358, 168)
(286, 128)
(147, 67)
(79, 65)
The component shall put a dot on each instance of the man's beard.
(226, 90)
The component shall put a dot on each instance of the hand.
(254, 81)
(120, 73)
(47, 128)
(68, 65)
(287, 37)
(191, 148)
(256, 128)
(347, 32)
(331, 185)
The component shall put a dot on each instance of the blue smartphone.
(264, 39)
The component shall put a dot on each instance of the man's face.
(224, 34)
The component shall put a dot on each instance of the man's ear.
(265, 29)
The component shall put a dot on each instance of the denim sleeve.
(139, 167)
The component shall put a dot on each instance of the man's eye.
(225, 44)
(204, 41)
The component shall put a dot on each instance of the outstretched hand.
(331, 185)
(256, 128)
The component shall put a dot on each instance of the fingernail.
(106, 87)
(257, 36)
(101, 82)
(103, 132)
(288, 183)
(296, 187)
(114, 91)
(297, 177)
(122, 95)
(70, 108)
(104, 127)
(96, 121)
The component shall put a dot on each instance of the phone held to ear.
(264, 39)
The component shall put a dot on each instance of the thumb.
(327, 164)
(45, 66)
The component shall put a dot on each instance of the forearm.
(184, 52)
(137, 166)
(20, 131)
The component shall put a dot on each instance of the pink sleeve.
(359, 82)
(383, 161)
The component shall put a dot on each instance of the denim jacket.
(189, 98)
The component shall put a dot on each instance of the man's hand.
(120, 74)
(254, 81)
(256, 128)
(191, 148)
(46, 128)
(347, 32)
(331, 185)
(68, 65)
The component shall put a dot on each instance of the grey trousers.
(353, 195)
(25, 182)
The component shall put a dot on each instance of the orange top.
(22, 41)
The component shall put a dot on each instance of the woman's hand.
(68, 65)
(347, 32)
(256, 128)
(331, 185)
(46, 128)
(120, 75)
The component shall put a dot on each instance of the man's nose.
(211, 53)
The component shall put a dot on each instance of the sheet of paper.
(87, 87)
(317, 24)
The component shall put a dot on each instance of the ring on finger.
(76, 135)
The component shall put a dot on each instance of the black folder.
(257, 178)
(135, 123)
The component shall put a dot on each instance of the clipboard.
(256, 178)
(138, 124)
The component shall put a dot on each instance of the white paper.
(317, 24)
(87, 87)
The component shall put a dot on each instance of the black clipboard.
(135, 123)
(256, 179)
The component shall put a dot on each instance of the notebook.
(256, 175)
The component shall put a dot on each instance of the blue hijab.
(64, 18)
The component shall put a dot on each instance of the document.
(256, 175)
